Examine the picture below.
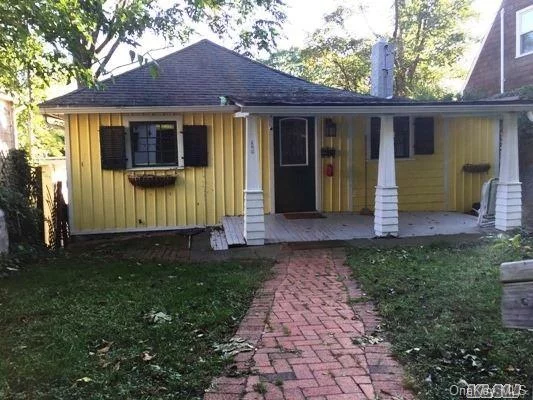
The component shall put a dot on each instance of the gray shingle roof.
(198, 75)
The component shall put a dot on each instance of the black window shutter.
(195, 145)
(401, 137)
(424, 135)
(375, 128)
(113, 147)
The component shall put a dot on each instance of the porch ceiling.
(346, 226)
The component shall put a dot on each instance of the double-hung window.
(411, 136)
(524, 31)
(154, 144)
(402, 140)
(158, 143)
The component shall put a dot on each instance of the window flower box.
(151, 181)
(476, 168)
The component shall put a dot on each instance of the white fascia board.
(457, 109)
(144, 109)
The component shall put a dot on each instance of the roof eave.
(396, 109)
(46, 109)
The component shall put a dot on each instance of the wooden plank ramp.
(218, 240)
(233, 228)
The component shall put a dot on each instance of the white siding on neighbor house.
(7, 124)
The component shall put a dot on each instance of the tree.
(429, 36)
(331, 57)
(56, 40)
(85, 34)
(429, 39)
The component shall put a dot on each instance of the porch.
(302, 176)
(347, 226)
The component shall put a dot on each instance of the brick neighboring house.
(486, 75)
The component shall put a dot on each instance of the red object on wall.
(329, 170)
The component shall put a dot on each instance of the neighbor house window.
(411, 136)
(524, 31)
(154, 143)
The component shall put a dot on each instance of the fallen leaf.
(415, 349)
(160, 317)
(105, 348)
(146, 356)
(235, 346)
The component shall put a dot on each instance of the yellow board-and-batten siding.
(434, 182)
(105, 201)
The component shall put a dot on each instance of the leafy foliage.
(18, 194)
(331, 57)
(75, 327)
(441, 310)
(429, 39)
(84, 35)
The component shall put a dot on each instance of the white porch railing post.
(509, 192)
(386, 202)
(254, 214)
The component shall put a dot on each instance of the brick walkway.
(304, 330)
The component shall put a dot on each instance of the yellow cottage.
(217, 135)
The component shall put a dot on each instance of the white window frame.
(518, 32)
(306, 143)
(411, 139)
(126, 120)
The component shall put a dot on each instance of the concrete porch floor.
(347, 226)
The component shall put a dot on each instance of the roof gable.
(197, 76)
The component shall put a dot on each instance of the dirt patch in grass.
(96, 327)
(441, 311)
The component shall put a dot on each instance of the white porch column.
(254, 214)
(509, 192)
(386, 203)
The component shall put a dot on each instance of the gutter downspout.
(502, 51)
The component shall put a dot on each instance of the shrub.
(19, 191)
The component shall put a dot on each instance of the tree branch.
(107, 58)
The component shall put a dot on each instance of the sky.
(304, 16)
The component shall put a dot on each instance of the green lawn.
(78, 327)
(441, 311)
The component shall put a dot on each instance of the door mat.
(304, 215)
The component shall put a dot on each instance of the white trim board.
(318, 162)
(68, 160)
(272, 166)
(393, 109)
(135, 110)
(138, 230)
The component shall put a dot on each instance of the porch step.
(218, 240)
(233, 228)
